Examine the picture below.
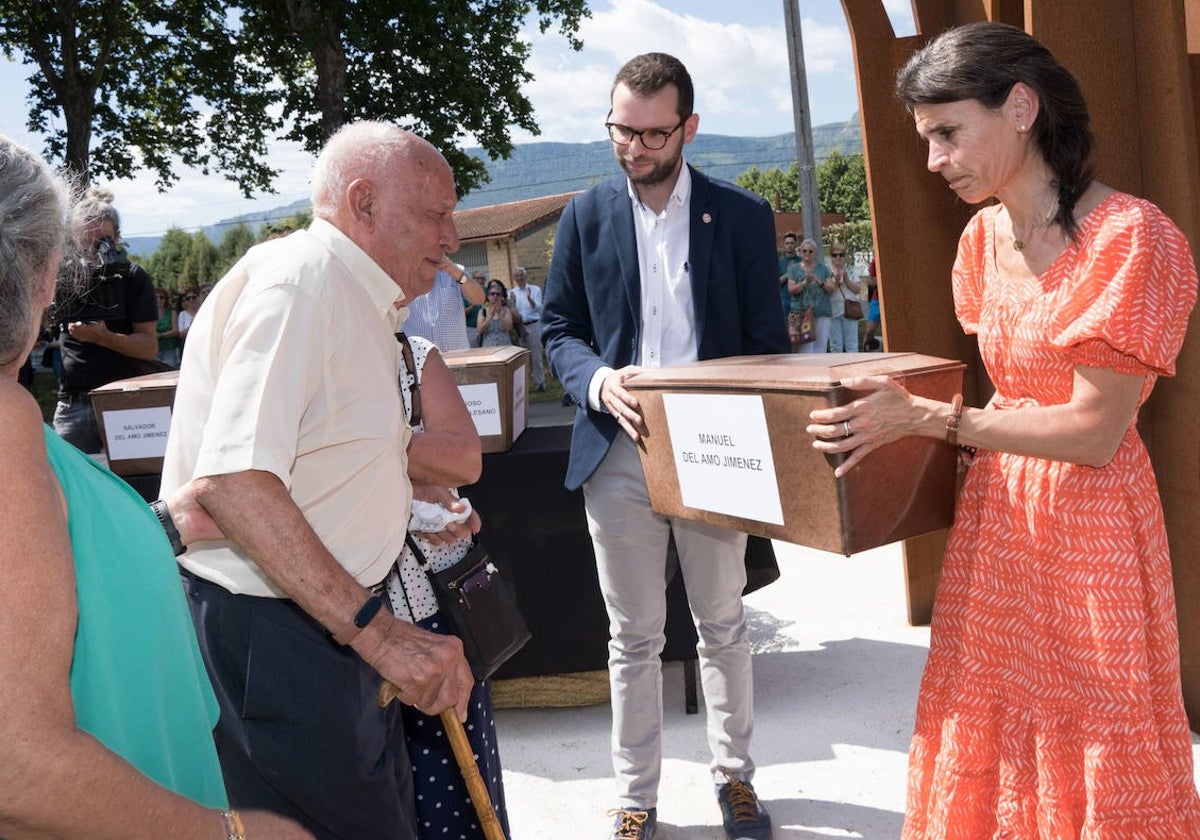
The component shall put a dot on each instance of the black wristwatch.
(168, 525)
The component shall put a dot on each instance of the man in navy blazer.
(658, 267)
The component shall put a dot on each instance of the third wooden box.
(493, 384)
(134, 416)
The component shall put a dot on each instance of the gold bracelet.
(953, 420)
(234, 830)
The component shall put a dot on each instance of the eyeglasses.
(807, 251)
(495, 294)
(837, 253)
(651, 138)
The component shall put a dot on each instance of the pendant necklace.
(1019, 243)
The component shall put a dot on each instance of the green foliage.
(774, 183)
(121, 87)
(841, 186)
(199, 267)
(165, 265)
(282, 227)
(441, 69)
(855, 235)
(236, 241)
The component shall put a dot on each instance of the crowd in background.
(829, 307)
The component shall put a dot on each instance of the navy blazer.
(591, 316)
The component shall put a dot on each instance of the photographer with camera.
(109, 320)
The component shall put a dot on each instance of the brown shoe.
(634, 824)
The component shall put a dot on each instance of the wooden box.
(726, 444)
(493, 382)
(134, 416)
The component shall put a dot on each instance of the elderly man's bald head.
(392, 194)
(371, 151)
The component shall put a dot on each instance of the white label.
(723, 456)
(519, 410)
(483, 401)
(137, 432)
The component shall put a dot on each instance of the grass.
(553, 392)
(45, 391)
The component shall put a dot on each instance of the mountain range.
(537, 169)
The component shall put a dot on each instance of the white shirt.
(668, 315)
(292, 369)
(439, 316)
(668, 334)
(528, 301)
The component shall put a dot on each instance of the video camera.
(90, 289)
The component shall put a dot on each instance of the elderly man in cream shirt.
(289, 418)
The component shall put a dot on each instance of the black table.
(537, 532)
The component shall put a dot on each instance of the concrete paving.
(836, 674)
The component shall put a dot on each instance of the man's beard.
(662, 171)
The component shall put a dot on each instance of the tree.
(144, 86)
(200, 265)
(128, 81)
(236, 242)
(282, 227)
(444, 70)
(841, 186)
(773, 184)
(165, 265)
(855, 235)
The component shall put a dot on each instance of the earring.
(1022, 128)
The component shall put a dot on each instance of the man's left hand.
(93, 332)
(455, 531)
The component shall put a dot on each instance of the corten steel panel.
(1143, 89)
(916, 221)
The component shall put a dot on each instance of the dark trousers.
(300, 732)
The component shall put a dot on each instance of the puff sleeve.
(1131, 295)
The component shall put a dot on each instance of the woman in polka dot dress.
(444, 808)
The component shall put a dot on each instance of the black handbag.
(480, 608)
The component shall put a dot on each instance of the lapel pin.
(707, 219)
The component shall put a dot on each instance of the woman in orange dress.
(1050, 707)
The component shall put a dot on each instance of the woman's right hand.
(263, 825)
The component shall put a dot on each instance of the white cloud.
(740, 72)
(197, 199)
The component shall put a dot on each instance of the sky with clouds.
(735, 51)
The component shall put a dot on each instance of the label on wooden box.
(723, 457)
(136, 432)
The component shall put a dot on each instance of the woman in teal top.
(810, 284)
(107, 715)
(137, 678)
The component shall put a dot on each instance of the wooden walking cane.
(465, 757)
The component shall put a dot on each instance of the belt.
(85, 399)
(531, 320)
